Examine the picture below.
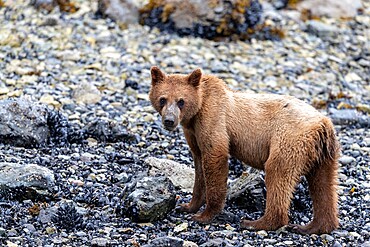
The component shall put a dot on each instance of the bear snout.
(169, 122)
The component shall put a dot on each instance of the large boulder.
(28, 181)
(330, 8)
(206, 19)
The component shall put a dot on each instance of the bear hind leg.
(281, 178)
(322, 182)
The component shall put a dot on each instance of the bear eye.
(180, 103)
(162, 102)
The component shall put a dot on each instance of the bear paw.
(186, 207)
(202, 218)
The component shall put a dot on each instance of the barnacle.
(67, 217)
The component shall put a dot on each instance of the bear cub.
(281, 135)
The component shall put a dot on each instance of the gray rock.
(166, 241)
(151, 199)
(23, 123)
(182, 176)
(336, 244)
(29, 227)
(331, 8)
(366, 244)
(321, 29)
(217, 242)
(25, 181)
(346, 160)
(2, 232)
(348, 117)
(87, 93)
(248, 181)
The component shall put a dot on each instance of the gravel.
(53, 57)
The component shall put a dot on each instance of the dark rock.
(25, 181)
(23, 123)
(166, 241)
(248, 190)
(151, 199)
(108, 131)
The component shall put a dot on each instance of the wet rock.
(181, 176)
(108, 131)
(25, 181)
(151, 199)
(331, 8)
(321, 29)
(23, 123)
(166, 241)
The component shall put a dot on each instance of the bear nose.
(169, 122)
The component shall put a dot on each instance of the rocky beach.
(84, 160)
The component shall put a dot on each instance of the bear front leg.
(215, 169)
(199, 196)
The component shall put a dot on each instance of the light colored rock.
(182, 176)
(87, 93)
(321, 29)
(331, 8)
(182, 227)
(346, 160)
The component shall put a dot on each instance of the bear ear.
(157, 75)
(194, 77)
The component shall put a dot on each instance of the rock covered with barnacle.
(207, 19)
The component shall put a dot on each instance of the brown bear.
(281, 135)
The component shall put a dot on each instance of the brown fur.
(281, 135)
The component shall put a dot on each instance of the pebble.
(345, 160)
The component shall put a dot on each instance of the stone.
(182, 176)
(165, 241)
(99, 242)
(247, 182)
(27, 181)
(331, 8)
(348, 117)
(151, 199)
(23, 123)
(86, 93)
(182, 227)
(124, 11)
(107, 131)
(321, 29)
(346, 160)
